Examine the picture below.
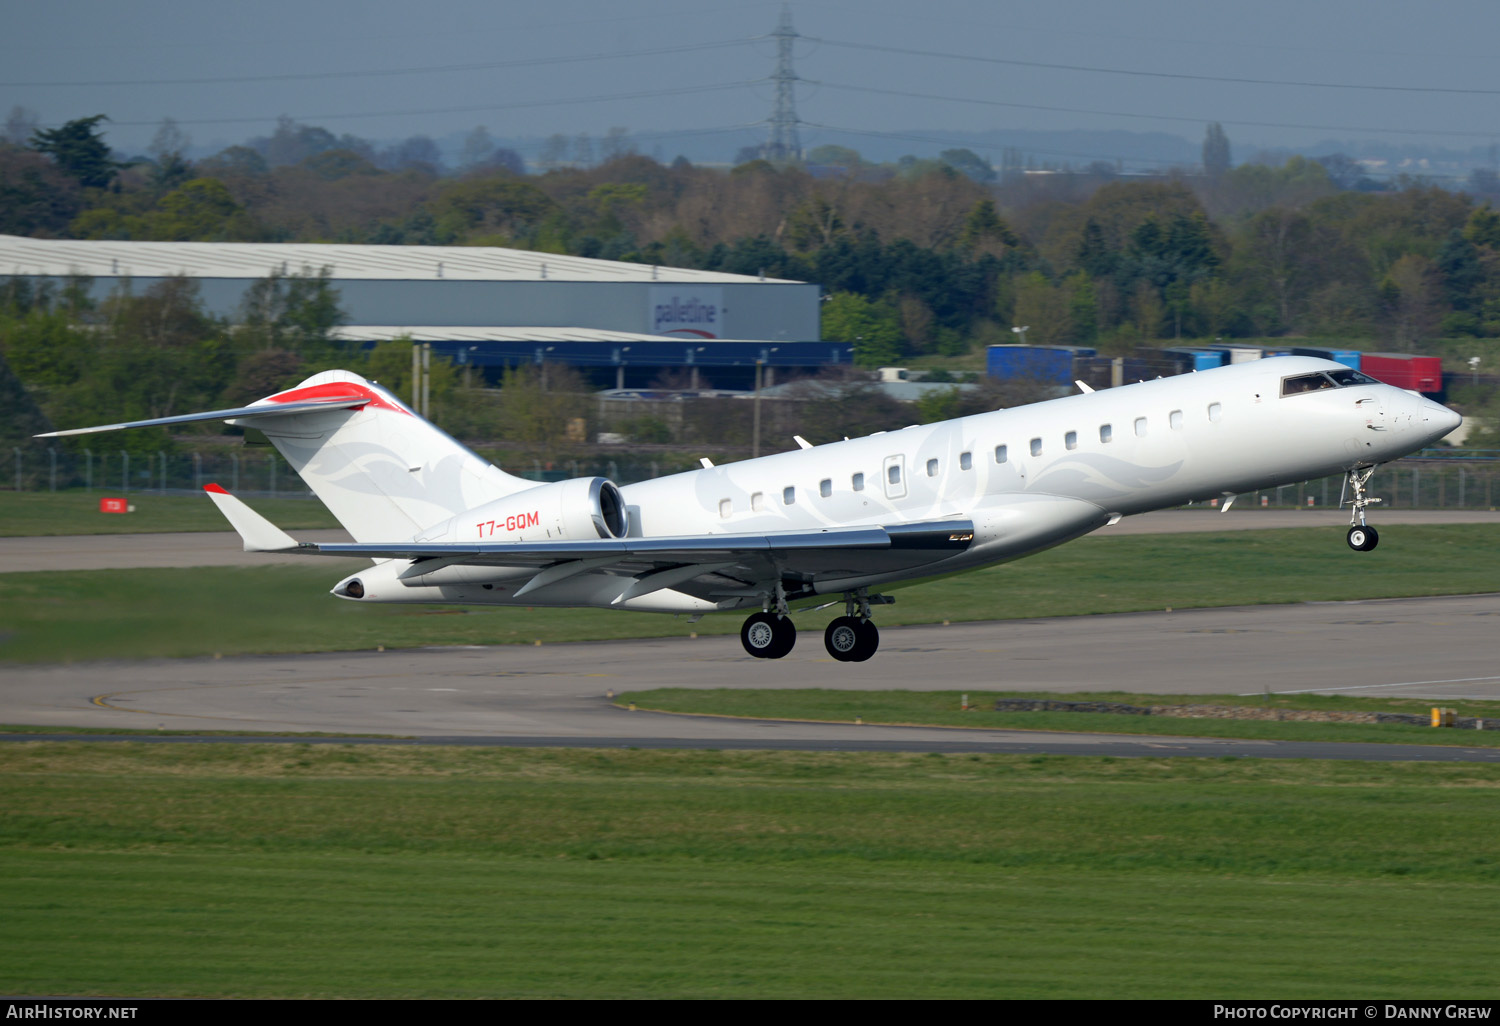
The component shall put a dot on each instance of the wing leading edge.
(747, 558)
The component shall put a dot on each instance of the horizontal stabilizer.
(259, 410)
(258, 533)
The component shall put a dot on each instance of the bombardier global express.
(843, 520)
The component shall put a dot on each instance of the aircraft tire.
(1363, 539)
(758, 634)
(869, 641)
(842, 638)
(786, 637)
(768, 636)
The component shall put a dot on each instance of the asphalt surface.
(1437, 649)
(135, 551)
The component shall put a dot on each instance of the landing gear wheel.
(842, 637)
(1363, 539)
(768, 636)
(869, 641)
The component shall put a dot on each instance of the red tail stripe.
(336, 390)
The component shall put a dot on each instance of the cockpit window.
(1319, 380)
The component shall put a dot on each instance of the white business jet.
(843, 519)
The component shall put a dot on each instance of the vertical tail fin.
(384, 472)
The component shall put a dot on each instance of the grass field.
(29, 514)
(66, 615)
(944, 709)
(274, 871)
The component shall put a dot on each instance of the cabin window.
(1215, 412)
(1071, 439)
(825, 487)
(1036, 447)
(1001, 453)
(857, 482)
(1140, 427)
(965, 461)
(725, 508)
(1106, 432)
(932, 468)
(1175, 419)
(893, 473)
(788, 495)
(758, 502)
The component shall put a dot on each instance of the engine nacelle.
(574, 510)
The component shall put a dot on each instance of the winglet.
(258, 533)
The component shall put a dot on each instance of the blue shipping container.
(1200, 359)
(1043, 363)
(1347, 357)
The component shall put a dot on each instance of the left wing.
(698, 564)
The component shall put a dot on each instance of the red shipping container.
(1418, 373)
(113, 506)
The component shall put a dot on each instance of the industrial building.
(485, 305)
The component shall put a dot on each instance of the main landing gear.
(768, 635)
(1361, 537)
(851, 638)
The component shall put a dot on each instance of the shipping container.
(1245, 352)
(1418, 373)
(1347, 357)
(1195, 358)
(1044, 363)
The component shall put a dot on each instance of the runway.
(223, 548)
(1435, 648)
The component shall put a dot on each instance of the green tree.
(967, 162)
(836, 156)
(36, 196)
(497, 207)
(985, 231)
(78, 147)
(1483, 227)
(295, 313)
(539, 402)
(873, 328)
(1044, 309)
(202, 210)
(1215, 151)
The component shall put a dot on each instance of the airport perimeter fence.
(255, 473)
(1434, 479)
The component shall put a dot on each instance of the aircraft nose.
(1437, 420)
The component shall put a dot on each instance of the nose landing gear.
(1361, 537)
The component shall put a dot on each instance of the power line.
(473, 109)
(1179, 76)
(1149, 117)
(390, 72)
(1008, 28)
(909, 137)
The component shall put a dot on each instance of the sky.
(1274, 72)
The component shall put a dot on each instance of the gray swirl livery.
(846, 519)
